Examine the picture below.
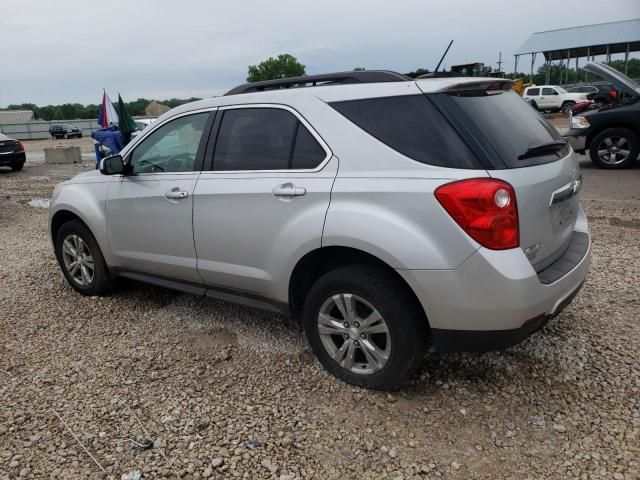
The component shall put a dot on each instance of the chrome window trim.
(301, 119)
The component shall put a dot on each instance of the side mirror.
(113, 165)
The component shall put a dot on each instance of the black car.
(612, 133)
(65, 131)
(11, 153)
(603, 93)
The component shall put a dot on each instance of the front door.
(149, 212)
(549, 98)
(263, 202)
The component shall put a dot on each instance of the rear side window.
(265, 139)
(411, 125)
(533, 91)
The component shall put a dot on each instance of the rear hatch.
(517, 145)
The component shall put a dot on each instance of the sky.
(57, 52)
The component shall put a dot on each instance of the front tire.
(81, 260)
(614, 148)
(365, 327)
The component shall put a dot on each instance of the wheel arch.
(322, 260)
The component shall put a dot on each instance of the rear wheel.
(614, 148)
(81, 260)
(567, 107)
(365, 327)
(17, 166)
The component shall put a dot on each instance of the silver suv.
(385, 214)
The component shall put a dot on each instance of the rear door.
(524, 150)
(264, 199)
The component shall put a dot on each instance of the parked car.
(610, 134)
(553, 98)
(386, 214)
(65, 131)
(601, 93)
(11, 153)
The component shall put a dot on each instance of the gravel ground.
(175, 386)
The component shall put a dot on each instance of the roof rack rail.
(340, 78)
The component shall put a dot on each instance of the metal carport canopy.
(588, 40)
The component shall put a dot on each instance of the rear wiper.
(543, 148)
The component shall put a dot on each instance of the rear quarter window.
(412, 126)
(508, 126)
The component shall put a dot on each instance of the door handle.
(288, 190)
(175, 194)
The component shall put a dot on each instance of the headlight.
(579, 122)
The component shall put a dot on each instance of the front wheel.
(81, 260)
(614, 148)
(365, 327)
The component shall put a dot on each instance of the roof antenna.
(443, 55)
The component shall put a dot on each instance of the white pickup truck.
(552, 97)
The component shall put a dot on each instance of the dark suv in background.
(65, 131)
(600, 93)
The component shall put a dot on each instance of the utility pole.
(500, 62)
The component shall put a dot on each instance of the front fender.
(87, 201)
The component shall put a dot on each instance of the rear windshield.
(413, 126)
(510, 126)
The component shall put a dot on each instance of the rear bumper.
(11, 158)
(447, 341)
(495, 299)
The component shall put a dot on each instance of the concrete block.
(62, 155)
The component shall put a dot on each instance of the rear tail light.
(20, 146)
(486, 210)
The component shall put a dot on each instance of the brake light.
(20, 146)
(486, 210)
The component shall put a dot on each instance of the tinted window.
(511, 127)
(549, 91)
(533, 91)
(307, 152)
(172, 147)
(412, 126)
(264, 139)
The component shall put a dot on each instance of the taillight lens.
(485, 208)
(20, 146)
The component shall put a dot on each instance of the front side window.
(264, 139)
(172, 147)
(532, 92)
(549, 91)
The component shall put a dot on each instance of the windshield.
(561, 90)
(512, 128)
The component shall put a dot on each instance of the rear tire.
(567, 107)
(614, 148)
(81, 260)
(17, 166)
(385, 341)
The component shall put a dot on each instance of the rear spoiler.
(464, 84)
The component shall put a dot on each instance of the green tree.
(418, 72)
(283, 66)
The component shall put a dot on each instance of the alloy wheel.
(354, 333)
(78, 260)
(614, 150)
